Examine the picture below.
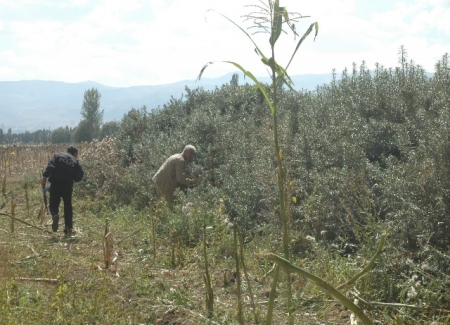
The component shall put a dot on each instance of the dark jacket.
(63, 167)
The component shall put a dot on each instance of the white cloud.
(122, 43)
(73, 3)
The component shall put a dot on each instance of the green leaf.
(316, 26)
(286, 18)
(248, 74)
(257, 83)
(286, 15)
(277, 23)
(257, 49)
(321, 283)
(203, 69)
(266, 61)
(280, 71)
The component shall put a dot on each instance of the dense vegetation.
(371, 148)
(365, 155)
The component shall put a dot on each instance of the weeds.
(45, 278)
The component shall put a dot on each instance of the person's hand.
(188, 177)
(44, 181)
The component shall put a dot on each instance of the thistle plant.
(270, 18)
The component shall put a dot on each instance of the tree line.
(89, 128)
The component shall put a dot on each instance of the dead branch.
(134, 233)
(35, 279)
(397, 305)
(24, 222)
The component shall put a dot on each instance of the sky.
(153, 42)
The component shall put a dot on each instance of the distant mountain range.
(35, 104)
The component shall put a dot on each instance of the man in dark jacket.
(62, 171)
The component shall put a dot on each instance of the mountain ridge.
(28, 105)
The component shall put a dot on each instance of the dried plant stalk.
(172, 253)
(152, 218)
(272, 295)
(209, 295)
(247, 278)
(4, 184)
(108, 246)
(24, 222)
(180, 252)
(13, 207)
(42, 212)
(27, 201)
(238, 275)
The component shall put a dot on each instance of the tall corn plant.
(270, 18)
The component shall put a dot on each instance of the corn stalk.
(108, 246)
(4, 185)
(247, 278)
(275, 15)
(152, 218)
(272, 295)
(209, 295)
(13, 207)
(42, 212)
(27, 200)
(176, 247)
(240, 312)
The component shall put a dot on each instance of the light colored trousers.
(161, 193)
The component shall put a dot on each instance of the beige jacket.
(171, 173)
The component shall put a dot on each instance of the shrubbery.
(365, 154)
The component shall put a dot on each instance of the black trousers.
(62, 190)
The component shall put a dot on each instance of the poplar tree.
(92, 116)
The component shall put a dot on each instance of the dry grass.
(47, 279)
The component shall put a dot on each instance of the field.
(128, 266)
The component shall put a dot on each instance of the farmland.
(367, 182)
(151, 271)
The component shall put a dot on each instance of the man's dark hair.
(72, 150)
